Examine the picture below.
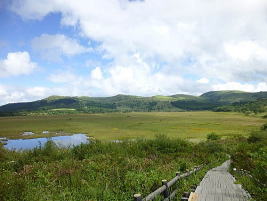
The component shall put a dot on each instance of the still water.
(61, 141)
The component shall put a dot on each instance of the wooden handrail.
(165, 188)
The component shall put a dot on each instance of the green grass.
(115, 171)
(250, 162)
(108, 126)
(102, 170)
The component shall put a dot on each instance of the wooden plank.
(192, 197)
(219, 185)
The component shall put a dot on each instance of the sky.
(136, 47)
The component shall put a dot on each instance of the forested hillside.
(216, 100)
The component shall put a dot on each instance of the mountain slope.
(233, 96)
(126, 103)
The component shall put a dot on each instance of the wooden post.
(166, 192)
(177, 173)
(193, 188)
(185, 196)
(137, 197)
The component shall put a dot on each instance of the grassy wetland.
(104, 170)
(113, 126)
(104, 99)
(101, 170)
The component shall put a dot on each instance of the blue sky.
(104, 48)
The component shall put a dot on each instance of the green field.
(104, 170)
(108, 126)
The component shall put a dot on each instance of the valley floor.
(113, 126)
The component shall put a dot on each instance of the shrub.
(264, 127)
(100, 170)
(48, 152)
(259, 136)
(213, 136)
(251, 157)
(254, 138)
(164, 144)
(2, 152)
(183, 167)
(213, 147)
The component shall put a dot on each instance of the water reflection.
(61, 141)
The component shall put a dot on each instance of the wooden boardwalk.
(219, 185)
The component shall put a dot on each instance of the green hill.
(233, 96)
(214, 100)
(257, 106)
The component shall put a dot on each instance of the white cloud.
(203, 81)
(13, 94)
(242, 87)
(3, 91)
(37, 92)
(16, 63)
(156, 44)
(62, 77)
(97, 74)
(246, 50)
(53, 47)
(10, 95)
(135, 78)
(182, 27)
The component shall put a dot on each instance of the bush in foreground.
(213, 136)
(98, 171)
(250, 160)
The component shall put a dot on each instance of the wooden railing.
(165, 189)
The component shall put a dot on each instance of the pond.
(61, 141)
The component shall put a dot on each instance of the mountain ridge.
(128, 103)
